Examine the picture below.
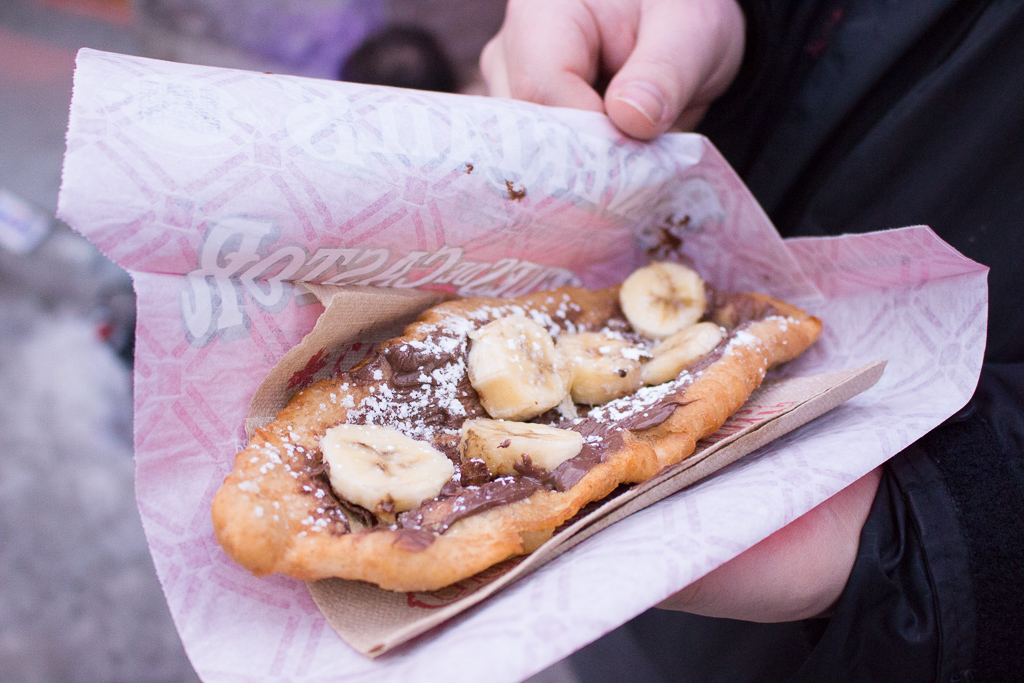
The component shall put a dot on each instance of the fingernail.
(645, 98)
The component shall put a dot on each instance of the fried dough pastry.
(398, 472)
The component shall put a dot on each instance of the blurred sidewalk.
(79, 600)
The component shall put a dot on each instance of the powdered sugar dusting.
(741, 338)
(446, 386)
(636, 403)
(443, 387)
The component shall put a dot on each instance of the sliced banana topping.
(673, 355)
(502, 445)
(603, 367)
(382, 469)
(514, 368)
(662, 299)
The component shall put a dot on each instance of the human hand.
(796, 573)
(667, 60)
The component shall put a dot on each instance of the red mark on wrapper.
(748, 417)
(307, 375)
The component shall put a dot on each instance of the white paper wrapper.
(217, 189)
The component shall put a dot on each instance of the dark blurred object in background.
(403, 57)
(302, 37)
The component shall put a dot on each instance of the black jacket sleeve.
(935, 591)
(851, 116)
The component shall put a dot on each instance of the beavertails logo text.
(240, 259)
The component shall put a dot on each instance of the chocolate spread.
(732, 310)
(440, 513)
(427, 380)
(336, 511)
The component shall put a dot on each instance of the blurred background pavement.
(79, 599)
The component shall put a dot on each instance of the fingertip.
(554, 89)
(638, 109)
(683, 58)
(486, 59)
(645, 98)
(492, 69)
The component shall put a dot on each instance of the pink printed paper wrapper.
(220, 190)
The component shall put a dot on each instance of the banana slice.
(514, 368)
(382, 469)
(673, 355)
(662, 298)
(502, 445)
(603, 367)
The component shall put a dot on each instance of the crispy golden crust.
(270, 516)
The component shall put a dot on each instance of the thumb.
(685, 56)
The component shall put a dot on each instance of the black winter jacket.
(864, 115)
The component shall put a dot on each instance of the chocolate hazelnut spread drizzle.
(428, 377)
(333, 510)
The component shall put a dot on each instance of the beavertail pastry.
(490, 422)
